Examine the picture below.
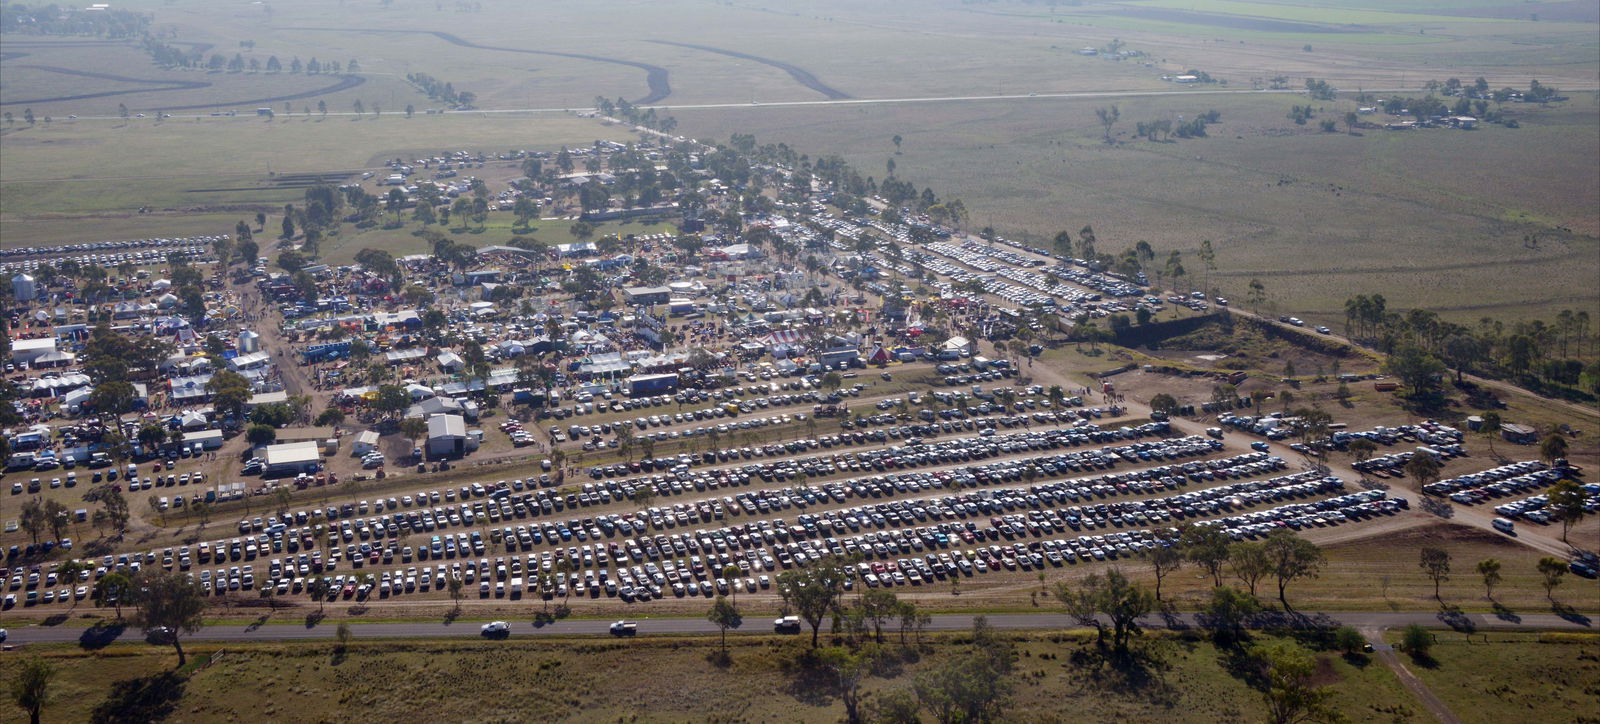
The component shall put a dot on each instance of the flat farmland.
(69, 180)
(55, 78)
(1435, 217)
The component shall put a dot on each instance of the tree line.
(631, 113)
(442, 91)
(53, 19)
(1553, 357)
(169, 56)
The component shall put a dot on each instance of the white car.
(496, 628)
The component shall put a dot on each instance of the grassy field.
(1318, 216)
(63, 182)
(1555, 676)
(1189, 680)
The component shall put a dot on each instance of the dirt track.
(802, 76)
(168, 85)
(655, 76)
(346, 82)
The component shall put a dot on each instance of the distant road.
(761, 624)
(1110, 94)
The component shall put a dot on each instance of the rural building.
(447, 436)
(366, 441)
(646, 296)
(291, 458)
(206, 439)
(1519, 434)
(27, 351)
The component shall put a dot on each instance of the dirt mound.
(1431, 534)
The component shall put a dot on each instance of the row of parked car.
(1521, 475)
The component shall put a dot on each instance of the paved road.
(880, 101)
(759, 624)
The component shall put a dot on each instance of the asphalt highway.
(761, 624)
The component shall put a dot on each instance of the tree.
(877, 606)
(31, 689)
(1292, 558)
(112, 589)
(847, 669)
(33, 519)
(1552, 448)
(1416, 368)
(1489, 568)
(1566, 500)
(1552, 569)
(1165, 559)
(813, 592)
(972, 687)
(1108, 118)
(454, 585)
(1250, 563)
(1290, 696)
(1227, 612)
(1208, 547)
(1164, 403)
(1113, 595)
(261, 434)
(724, 615)
(1490, 429)
(1348, 640)
(1362, 449)
(1435, 562)
(318, 588)
(1422, 468)
(1257, 295)
(113, 398)
(1416, 640)
(342, 636)
(68, 573)
(168, 602)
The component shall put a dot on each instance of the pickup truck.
(786, 624)
(624, 628)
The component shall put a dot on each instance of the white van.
(1504, 526)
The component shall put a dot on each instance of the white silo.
(23, 288)
(249, 342)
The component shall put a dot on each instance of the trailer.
(652, 384)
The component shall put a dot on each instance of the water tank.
(23, 289)
(249, 342)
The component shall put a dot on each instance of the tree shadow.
(719, 658)
(140, 700)
(1423, 659)
(1437, 507)
(1505, 614)
(1569, 613)
(1455, 618)
(313, 618)
(258, 623)
(55, 619)
(1357, 659)
(100, 635)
